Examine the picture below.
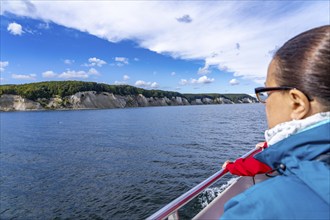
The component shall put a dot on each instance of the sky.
(183, 46)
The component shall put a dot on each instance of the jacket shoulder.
(276, 198)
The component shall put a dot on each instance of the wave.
(208, 195)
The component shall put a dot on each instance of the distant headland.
(66, 95)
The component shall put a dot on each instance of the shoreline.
(87, 109)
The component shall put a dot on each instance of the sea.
(118, 163)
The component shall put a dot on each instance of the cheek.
(268, 115)
(277, 112)
(271, 114)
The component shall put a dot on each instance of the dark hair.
(303, 62)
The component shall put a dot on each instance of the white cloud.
(200, 80)
(15, 29)
(141, 83)
(234, 82)
(126, 77)
(96, 62)
(44, 26)
(68, 61)
(154, 85)
(71, 74)
(120, 83)
(49, 74)
(93, 71)
(24, 77)
(122, 60)
(124, 82)
(183, 82)
(203, 71)
(144, 84)
(258, 26)
(3, 65)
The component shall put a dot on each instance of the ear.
(300, 104)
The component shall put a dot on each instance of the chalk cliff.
(103, 100)
(17, 103)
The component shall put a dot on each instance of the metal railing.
(173, 207)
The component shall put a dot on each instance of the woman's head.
(302, 63)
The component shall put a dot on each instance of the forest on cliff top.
(50, 89)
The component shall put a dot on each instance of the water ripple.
(116, 164)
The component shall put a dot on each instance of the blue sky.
(184, 46)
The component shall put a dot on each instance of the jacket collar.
(305, 145)
(286, 129)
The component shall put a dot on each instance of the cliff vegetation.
(89, 95)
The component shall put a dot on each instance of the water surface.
(116, 163)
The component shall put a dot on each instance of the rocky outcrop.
(209, 101)
(90, 100)
(103, 100)
(246, 100)
(17, 103)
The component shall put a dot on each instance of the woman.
(297, 100)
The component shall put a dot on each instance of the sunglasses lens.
(262, 96)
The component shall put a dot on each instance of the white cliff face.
(246, 100)
(197, 102)
(54, 103)
(17, 103)
(142, 101)
(224, 101)
(93, 100)
(207, 100)
(87, 100)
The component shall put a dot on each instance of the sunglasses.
(263, 93)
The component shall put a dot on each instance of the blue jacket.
(300, 191)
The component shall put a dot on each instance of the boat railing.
(170, 211)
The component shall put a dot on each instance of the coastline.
(91, 100)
